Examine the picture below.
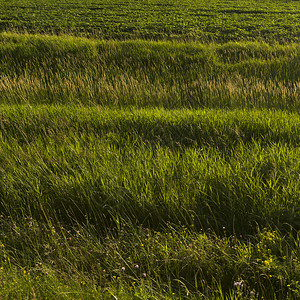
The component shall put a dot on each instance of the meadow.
(149, 149)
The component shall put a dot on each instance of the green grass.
(156, 19)
(216, 168)
(153, 153)
(145, 264)
(65, 70)
(200, 178)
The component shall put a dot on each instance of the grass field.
(212, 20)
(149, 150)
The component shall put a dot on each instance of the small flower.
(144, 274)
(238, 284)
(136, 266)
(123, 269)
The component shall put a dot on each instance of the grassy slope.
(111, 151)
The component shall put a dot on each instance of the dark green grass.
(156, 19)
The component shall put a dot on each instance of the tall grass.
(208, 169)
(148, 170)
(49, 262)
(64, 70)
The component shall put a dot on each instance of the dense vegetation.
(141, 169)
(212, 20)
(65, 70)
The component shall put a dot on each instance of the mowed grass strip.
(68, 70)
(209, 169)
